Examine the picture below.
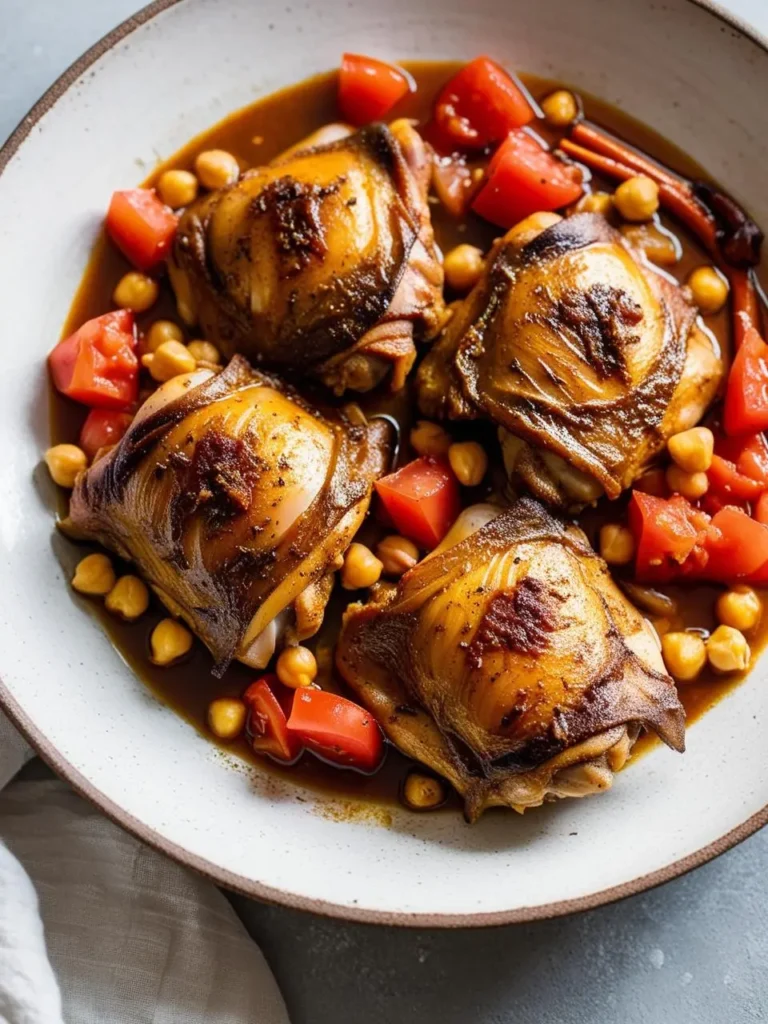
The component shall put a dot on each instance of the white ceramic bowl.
(138, 95)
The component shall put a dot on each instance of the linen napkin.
(96, 928)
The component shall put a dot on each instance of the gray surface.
(692, 952)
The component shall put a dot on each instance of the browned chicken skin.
(236, 500)
(585, 357)
(321, 263)
(510, 663)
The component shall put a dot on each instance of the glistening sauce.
(255, 135)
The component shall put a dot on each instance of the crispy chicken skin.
(509, 662)
(235, 499)
(322, 263)
(585, 357)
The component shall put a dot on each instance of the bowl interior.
(678, 67)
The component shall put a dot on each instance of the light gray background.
(692, 952)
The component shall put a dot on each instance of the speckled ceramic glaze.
(138, 96)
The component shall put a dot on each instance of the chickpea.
(129, 598)
(617, 545)
(709, 288)
(177, 188)
(685, 655)
(171, 359)
(430, 439)
(160, 332)
(204, 352)
(637, 199)
(692, 449)
(560, 108)
(361, 568)
(469, 462)
(94, 575)
(296, 667)
(397, 555)
(217, 168)
(740, 608)
(463, 267)
(226, 717)
(596, 202)
(423, 792)
(690, 485)
(169, 642)
(65, 463)
(136, 291)
(728, 650)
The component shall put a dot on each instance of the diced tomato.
(737, 545)
(454, 184)
(523, 178)
(97, 365)
(336, 729)
(667, 532)
(269, 704)
(103, 427)
(422, 500)
(480, 105)
(748, 453)
(141, 226)
(746, 397)
(728, 482)
(676, 541)
(369, 88)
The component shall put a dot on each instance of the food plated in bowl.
(485, 635)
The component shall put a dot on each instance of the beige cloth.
(131, 937)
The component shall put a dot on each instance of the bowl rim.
(49, 753)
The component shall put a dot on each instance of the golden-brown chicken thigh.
(585, 357)
(321, 263)
(510, 663)
(236, 500)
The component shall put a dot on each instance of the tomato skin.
(141, 226)
(97, 365)
(748, 453)
(336, 729)
(666, 532)
(760, 511)
(737, 546)
(746, 396)
(726, 480)
(269, 705)
(422, 500)
(369, 88)
(479, 106)
(524, 178)
(103, 427)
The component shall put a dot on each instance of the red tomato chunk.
(524, 178)
(369, 88)
(141, 226)
(103, 427)
(422, 500)
(269, 705)
(479, 106)
(746, 397)
(97, 365)
(336, 729)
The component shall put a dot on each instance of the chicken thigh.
(509, 662)
(322, 263)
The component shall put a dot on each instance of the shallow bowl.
(136, 97)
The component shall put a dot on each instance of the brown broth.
(255, 135)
